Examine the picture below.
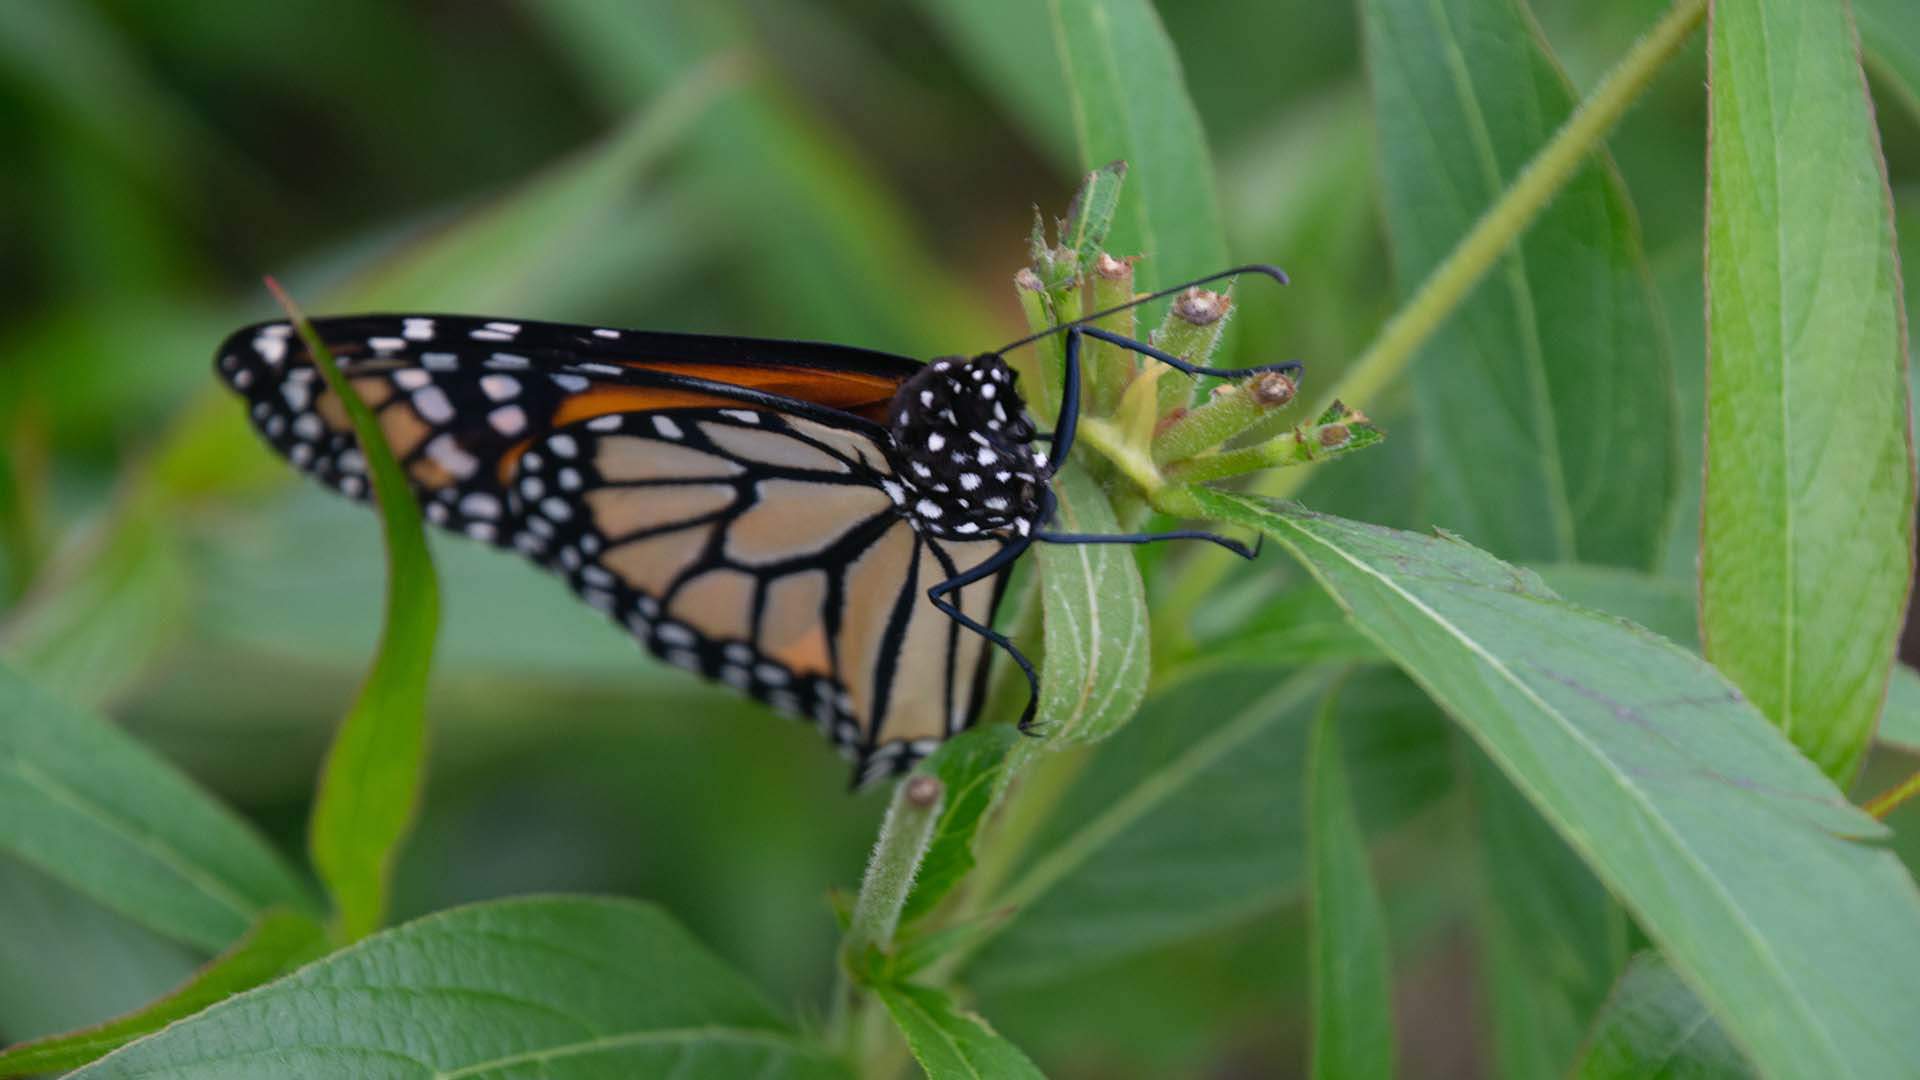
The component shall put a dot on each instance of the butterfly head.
(966, 449)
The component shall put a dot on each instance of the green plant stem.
(902, 845)
(1887, 801)
(904, 836)
(1131, 460)
(1400, 340)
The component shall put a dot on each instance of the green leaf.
(1900, 721)
(1299, 627)
(1654, 1027)
(1095, 609)
(492, 259)
(1352, 992)
(1128, 98)
(1672, 788)
(370, 783)
(106, 963)
(277, 943)
(1019, 67)
(1547, 399)
(1891, 48)
(566, 986)
(948, 1043)
(96, 632)
(1663, 605)
(90, 806)
(1191, 819)
(1551, 939)
(1090, 216)
(1807, 531)
(969, 767)
(821, 228)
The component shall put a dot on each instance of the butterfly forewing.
(728, 501)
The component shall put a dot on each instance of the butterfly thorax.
(966, 450)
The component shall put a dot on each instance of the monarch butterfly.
(825, 528)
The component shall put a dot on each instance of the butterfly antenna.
(1264, 269)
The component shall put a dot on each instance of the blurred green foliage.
(847, 170)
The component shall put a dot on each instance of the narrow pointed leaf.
(277, 943)
(969, 767)
(90, 806)
(1547, 399)
(949, 1043)
(558, 986)
(1128, 100)
(370, 784)
(1352, 993)
(1669, 785)
(1807, 530)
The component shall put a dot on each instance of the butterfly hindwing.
(729, 502)
(765, 551)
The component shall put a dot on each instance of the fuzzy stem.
(904, 837)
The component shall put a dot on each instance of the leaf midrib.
(1636, 794)
(662, 1036)
(165, 854)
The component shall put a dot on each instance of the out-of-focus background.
(849, 170)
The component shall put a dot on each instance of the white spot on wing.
(508, 420)
(432, 405)
(452, 456)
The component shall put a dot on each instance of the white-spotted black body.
(966, 449)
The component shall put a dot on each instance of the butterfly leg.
(1290, 367)
(1230, 544)
(999, 561)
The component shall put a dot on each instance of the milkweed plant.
(1574, 625)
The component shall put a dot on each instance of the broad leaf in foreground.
(90, 806)
(573, 987)
(1669, 785)
(1807, 529)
